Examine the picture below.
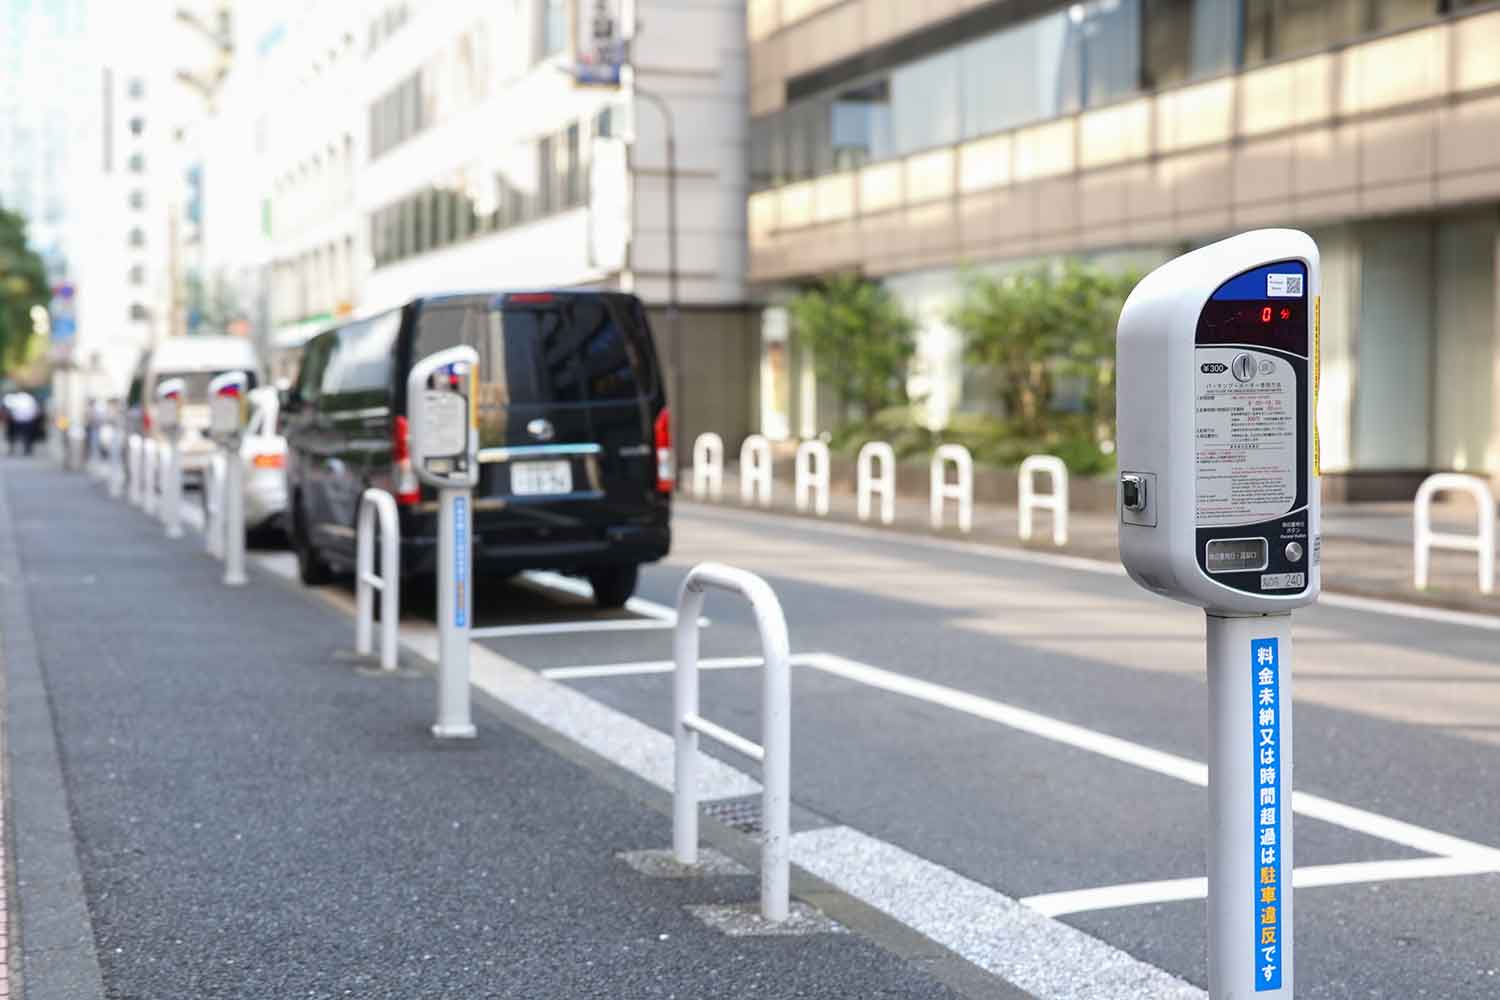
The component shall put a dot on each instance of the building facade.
(403, 148)
(910, 142)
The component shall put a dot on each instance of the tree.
(861, 340)
(23, 286)
(1030, 327)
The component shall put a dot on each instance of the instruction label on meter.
(1245, 436)
(447, 423)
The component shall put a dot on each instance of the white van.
(195, 360)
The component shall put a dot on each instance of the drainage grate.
(742, 813)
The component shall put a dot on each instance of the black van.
(575, 450)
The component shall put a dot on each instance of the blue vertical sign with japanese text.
(1266, 725)
(461, 561)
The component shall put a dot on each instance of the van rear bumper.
(621, 545)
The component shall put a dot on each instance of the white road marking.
(582, 588)
(1042, 956)
(658, 667)
(1108, 897)
(1127, 752)
(1083, 564)
(564, 628)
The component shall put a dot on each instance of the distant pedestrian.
(22, 414)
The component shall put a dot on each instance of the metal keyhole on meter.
(1243, 367)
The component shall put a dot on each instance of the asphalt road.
(990, 771)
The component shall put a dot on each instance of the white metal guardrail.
(961, 490)
(377, 512)
(755, 470)
(213, 505)
(150, 468)
(1056, 501)
(1424, 539)
(135, 449)
(708, 466)
(868, 482)
(774, 750)
(811, 476)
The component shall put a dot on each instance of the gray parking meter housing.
(227, 406)
(169, 404)
(442, 415)
(1217, 369)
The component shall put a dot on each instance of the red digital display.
(1265, 315)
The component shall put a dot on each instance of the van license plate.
(532, 479)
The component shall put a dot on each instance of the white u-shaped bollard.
(755, 470)
(811, 476)
(1056, 501)
(708, 466)
(135, 449)
(377, 515)
(868, 482)
(1425, 539)
(961, 490)
(150, 470)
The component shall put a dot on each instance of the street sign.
(1217, 361)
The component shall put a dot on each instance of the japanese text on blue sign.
(1270, 924)
(461, 561)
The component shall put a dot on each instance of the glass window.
(1106, 37)
(925, 103)
(138, 312)
(137, 199)
(137, 163)
(419, 222)
(1187, 39)
(860, 125)
(137, 125)
(554, 27)
(1277, 28)
(1016, 76)
(137, 274)
(544, 163)
(137, 237)
(361, 363)
(136, 88)
(572, 186)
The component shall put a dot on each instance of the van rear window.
(567, 351)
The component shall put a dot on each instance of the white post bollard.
(171, 491)
(134, 461)
(961, 490)
(811, 476)
(377, 514)
(213, 506)
(774, 750)
(150, 467)
(117, 462)
(232, 503)
(755, 470)
(868, 482)
(708, 466)
(1056, 501)
(1425, 539)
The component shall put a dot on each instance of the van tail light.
(408, 491)
(268, 460)
(666, 465)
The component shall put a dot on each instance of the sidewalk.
(1367, 548)
(233, 810)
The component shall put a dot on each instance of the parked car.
(195, 360)
(263, 451)
(575, 451)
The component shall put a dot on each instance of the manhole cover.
(742, 813)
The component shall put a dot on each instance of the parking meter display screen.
(1251, 430)
(445, 424)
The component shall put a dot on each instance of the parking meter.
(1217, 369)
(441, 406)
(168, 414)
(227, 399)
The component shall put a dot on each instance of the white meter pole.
(1219, 504)
(168, 412)
(226, 395)
(444, 436)
(1250, 788)
(455, 610)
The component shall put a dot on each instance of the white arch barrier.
(1056, 501)
(377, 510)
(868, 482)
(135, 453)
(811, 476)
(708, 466)
(1425, 539)
(150, 473)
(774, 750)
(961, 490)
(755, 470)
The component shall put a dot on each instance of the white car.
(263, 451)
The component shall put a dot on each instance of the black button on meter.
(1132, 492)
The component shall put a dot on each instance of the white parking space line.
(1109, 897)
(1082, 564)
(1125, 751)
(564, 628)
(581, 588)
(1043, 956)
(660, 667)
